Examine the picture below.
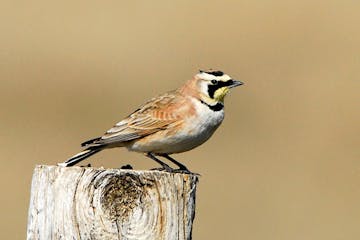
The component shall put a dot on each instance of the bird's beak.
(235, 83)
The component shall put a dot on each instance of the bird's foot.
(171, 170)
(185, 171)
(163, 168)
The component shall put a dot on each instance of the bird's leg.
(182, 167)
(164, 165)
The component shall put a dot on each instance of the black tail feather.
(80, 156)
(90, 141)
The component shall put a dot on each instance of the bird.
(171, 123)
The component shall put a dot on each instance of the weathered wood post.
(90, 203)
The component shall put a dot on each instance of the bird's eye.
(214, 82)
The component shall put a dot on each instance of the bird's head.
(214, 85)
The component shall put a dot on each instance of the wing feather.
(157, 114)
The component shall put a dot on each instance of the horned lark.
(174, 122)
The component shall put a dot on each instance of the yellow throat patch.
(220, 94)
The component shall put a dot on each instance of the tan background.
(285, 164)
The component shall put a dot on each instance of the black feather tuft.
(216, 73)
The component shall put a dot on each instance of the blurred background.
(285, 164)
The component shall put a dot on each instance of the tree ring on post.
(121, 194)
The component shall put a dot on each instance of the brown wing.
(157, 114)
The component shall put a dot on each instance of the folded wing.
(156, 115)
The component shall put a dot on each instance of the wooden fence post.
(90, 203)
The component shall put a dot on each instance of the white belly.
(194, 132)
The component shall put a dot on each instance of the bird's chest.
(206, 121)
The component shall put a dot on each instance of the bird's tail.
(80, 156)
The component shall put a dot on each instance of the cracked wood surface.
(89, 203)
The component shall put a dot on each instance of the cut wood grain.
(89, 203)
